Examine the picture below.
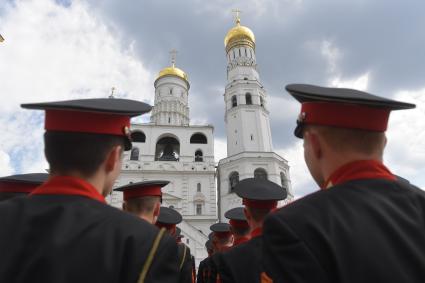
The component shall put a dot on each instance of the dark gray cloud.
(380, 37)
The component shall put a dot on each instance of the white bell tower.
(171, 96)
(249, 140)
(247, 118)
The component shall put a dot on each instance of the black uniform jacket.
(71, 238)
(241, 263)
(185, 263)
(204, 271)
(370, 230)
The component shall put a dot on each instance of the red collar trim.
(66, 185)
(257, 232)
(240, 240)
(357, 170)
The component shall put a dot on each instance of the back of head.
(351, 141)
(82, 153)
(142, 205)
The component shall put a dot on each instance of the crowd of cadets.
(365, 224)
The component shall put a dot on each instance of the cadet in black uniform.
(364, 225)
(64, 231)
(143, 199)
(243, 262)
(168, 218)
(222, 241)
(20, 185)
(203, 265)
(238, 225)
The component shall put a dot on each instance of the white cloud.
(405, 153)
(52, 53)
(360, 83)
(5, 166)
(220, 149)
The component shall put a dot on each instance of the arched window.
(198, 138)
(248, 99)
(167, 149)
(260, 174)
(134, 155)
(233, 180)
(261, 101)
(199, 156)
(138, 136)
(234, 101)
(198, 187)
(284, 181)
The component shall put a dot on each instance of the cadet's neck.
(337, 160)
(96, 181)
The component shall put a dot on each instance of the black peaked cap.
(141, 185)
(311, 93)
(255, 189)
(102, 105)
(236, 214)
(169, 216)
(220, 227)
(31, 178)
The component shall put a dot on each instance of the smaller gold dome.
(172, 71)
(239, 33)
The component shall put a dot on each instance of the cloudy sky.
(65, 49)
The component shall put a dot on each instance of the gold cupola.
(173, 70)
(239, 35)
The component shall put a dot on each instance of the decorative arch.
(134, 155)
(199, 156)
(233, 180)
(234, 101)
(260, 174)
(138, 136)
(167, 148)
(248, 98)
(284, 181)
(198, 138)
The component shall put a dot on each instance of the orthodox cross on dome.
(237, 13)
(173, 54)
(112, 92)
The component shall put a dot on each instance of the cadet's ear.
(113, 160)
(312, 140)
(156, 211)
(247, 214)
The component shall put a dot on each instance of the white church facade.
(170, 148)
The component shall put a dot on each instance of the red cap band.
(238, 223)
(222, 235)
(143, 192)
(86, 122)
(261, 204)
(12, 187)
(166, 226)
(344, 116)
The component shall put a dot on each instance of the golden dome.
(172, 71)
(239, 34)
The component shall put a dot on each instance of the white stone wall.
(245, 164)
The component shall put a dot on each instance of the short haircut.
(142, 205)
(349, 140)
(240, 231)
(82, 152)
(258, 214)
